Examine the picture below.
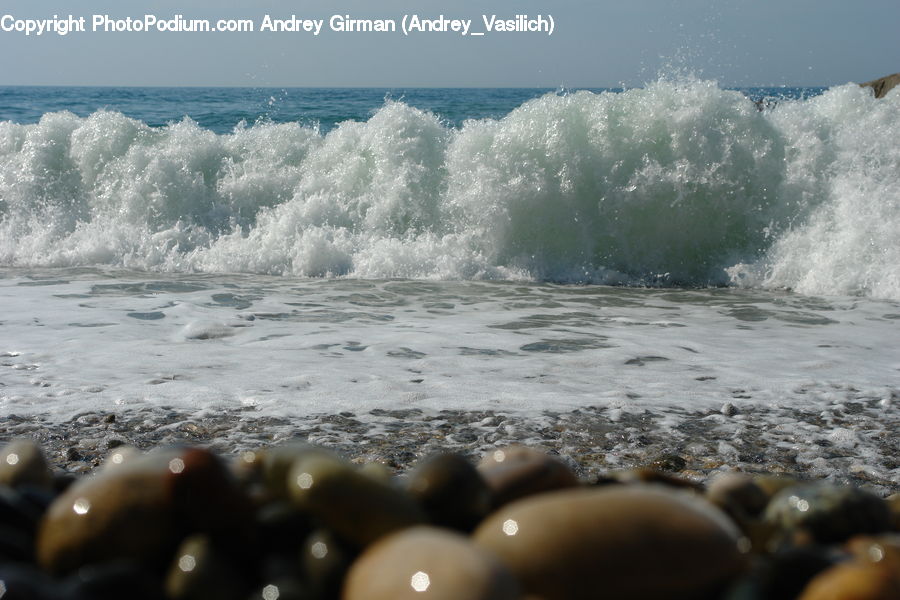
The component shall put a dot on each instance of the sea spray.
(681, 183)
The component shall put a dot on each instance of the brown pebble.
(451, 490)
(823, 512)
(428, 562)
(23, 463)
(518, 471)
(654, 475)
(268, 468)
(325, 562)
(882, 549)
(738, 494)
(854, 581)
(772, 484)
(141, 510)
(629, 542)
(199, 572)
(120, 456)
(358, 508)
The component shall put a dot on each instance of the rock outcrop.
(883, 85)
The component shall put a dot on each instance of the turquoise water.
(221, 109)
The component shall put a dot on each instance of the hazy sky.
(596, 43)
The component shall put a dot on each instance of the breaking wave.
(679, 183)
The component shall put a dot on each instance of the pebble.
(269, 467)
(515, 472)
(22, 462)
(854, 581)
(873, 574)
(298, 522)
(729, 410)
(826, 512)
(325, 561)
(634, 542)
(451, 490)
(739, 495)
(428, 563)
(139, 511)
(883, 549)
(199, 572)
(654, 475)
(119, 456)
(360, 509)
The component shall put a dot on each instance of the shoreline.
(592, 441)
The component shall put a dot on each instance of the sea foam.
(679, 183)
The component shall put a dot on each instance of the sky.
(595, 43)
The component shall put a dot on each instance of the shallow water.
(817, 374)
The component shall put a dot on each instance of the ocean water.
(679, 252)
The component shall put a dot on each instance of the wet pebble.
(22, 463)
(633, 542)
(826, 513)
(141, 510)
(199, 572)
(325, 560)
(518, 471)
(359, 508)
(854, 581)
(451, 490)
(738, 494)
(432, 563)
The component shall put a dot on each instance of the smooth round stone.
(738, 494)
(377, 470)
(653, 475)
(518, 471)
(431, 564)
(882, 549)
(325, 560)
(141, 511)
(827, 513)
(120, 455)
(356, 507)
(22, 462)
(200, 572)
(854, 581)
(451, 490)
(629, 542)
(772, 484)
(269, 467)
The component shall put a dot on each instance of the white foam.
(681, 182)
